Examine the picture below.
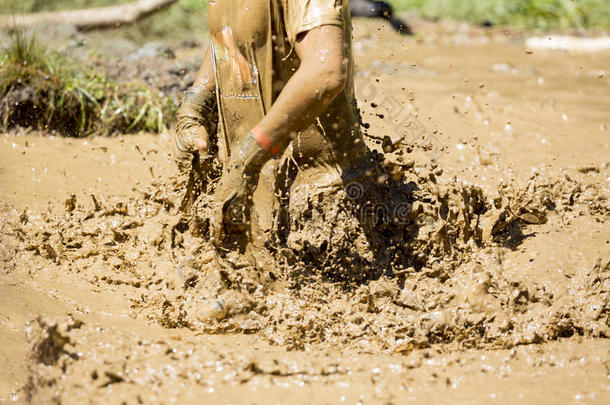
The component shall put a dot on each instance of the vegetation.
(45, 90)
(28, 6)
(527, 13)
(187, 16)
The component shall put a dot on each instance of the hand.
(232, 204)
(191, 137)
(197, 110)
(233, 196)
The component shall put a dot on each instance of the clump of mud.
(50, 345)
(441, 278)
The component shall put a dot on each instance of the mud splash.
(441, 281)
(447, 285)
(451, 319)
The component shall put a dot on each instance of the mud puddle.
(506, 301)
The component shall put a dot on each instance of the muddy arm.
(319, 79)
(205, 77)
(197, 116)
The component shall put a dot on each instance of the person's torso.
(253, 61)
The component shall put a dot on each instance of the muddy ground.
(101, 300)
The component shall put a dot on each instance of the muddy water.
(107, 294)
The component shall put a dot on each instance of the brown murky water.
(105, 294)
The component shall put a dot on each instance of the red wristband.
(264, 141)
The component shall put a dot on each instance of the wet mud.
(472, 264)
(448, 285)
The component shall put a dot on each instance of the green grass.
(184, 19)
(45, 90)
(525, 13)
(28, 6)
(189, 15)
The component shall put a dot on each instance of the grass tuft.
(45, 90)
(186, 18)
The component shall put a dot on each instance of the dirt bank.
(105, 289)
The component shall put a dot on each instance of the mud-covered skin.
(197, 117)
(285, 69)
(230, 216)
